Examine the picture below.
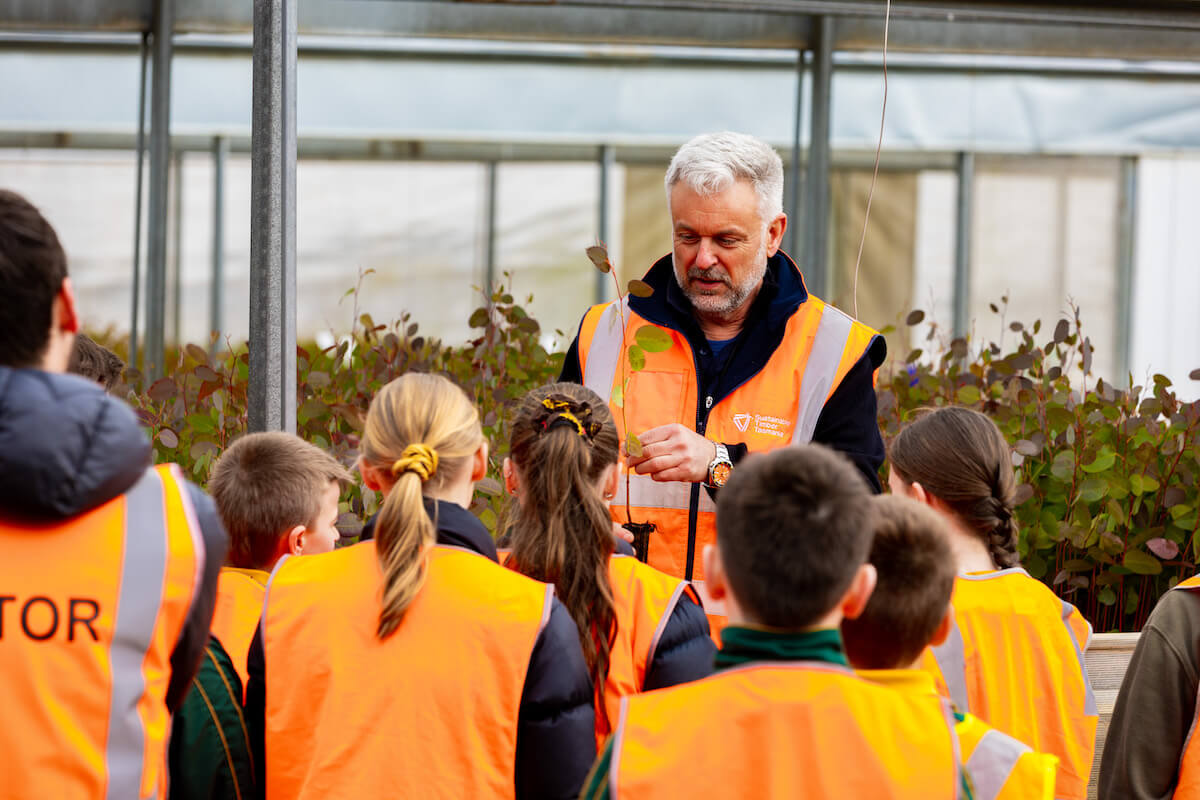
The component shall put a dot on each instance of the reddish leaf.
(1163, 548)
(598, 255)
(168, 438)
(914, 317)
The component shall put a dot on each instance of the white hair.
(712, 162)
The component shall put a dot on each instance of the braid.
(1002, 540)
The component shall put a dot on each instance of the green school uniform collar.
(741, 645)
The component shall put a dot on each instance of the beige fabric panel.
(885, 280)
(646, 221)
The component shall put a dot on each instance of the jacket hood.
(66, 446)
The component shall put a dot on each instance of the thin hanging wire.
(887, 15)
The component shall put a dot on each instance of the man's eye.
(687, 238)
(727, 241)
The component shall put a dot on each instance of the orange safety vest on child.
(773, 730)
(91, 611)
(431, 711)
(237, 611)
(1188, 786)
(644, 600)
(998, 766)
(1015, 660)
(779, 406)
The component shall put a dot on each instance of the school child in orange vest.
(414, 664)
(1152, 750)
(277, 495)
(640, 628)
(785, 716)
(1014, 656)
(909, 610)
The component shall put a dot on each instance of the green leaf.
(1107, 596)
(639, 288)
(637, 358)
(968, 395)
(479, 318)
(1104, 461)
(1093, 489)
(618, 397)
(1142, 563)
(1063, 466)
(652, 339)
(633, 446)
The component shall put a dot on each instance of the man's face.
(721, 245)
(323, 535)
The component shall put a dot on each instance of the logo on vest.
(763, 425)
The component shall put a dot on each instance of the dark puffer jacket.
(66, 448)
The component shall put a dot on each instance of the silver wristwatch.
(719, 468)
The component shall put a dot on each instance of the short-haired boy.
(909, 611)
(277, 495)
(784, 715)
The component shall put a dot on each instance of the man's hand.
(674, 453)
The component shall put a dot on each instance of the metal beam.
(489, 230)
(795, 209)
(177, 250)
(816, 206)
(160, 173)
(1126, 268)
(604, 223)
(216, 303)
(272, 389)
(135, 306)
(964, 213)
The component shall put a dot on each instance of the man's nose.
(705, 257)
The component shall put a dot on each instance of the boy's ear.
(370, 475)
(511, 482)
(714, 573)
(479, 463)
(295, 540)
(943, 629)
(67, 318)
(917, 492)
(855, 600)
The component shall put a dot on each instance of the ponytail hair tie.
(418, 458)
(567, 413)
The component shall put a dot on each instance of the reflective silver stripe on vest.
(604, 354)
(143, 568)
(646, 492)
(1089, 702)
(992, 762)
(829, 342)
(952, 661)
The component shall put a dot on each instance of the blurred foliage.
(1109, 479)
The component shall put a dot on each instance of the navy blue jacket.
(848, 420)
(66, 448)
(556, 735)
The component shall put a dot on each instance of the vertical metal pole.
(964, 214)
(795, 235)
(216, 303)
(603, 223)
(489, 232)
(137, 202)
(272, 390)
(816, 209)
(177, 250)
(160, 163)
(1126, 260)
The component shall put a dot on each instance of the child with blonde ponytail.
(414, 663)
(1014, 657)
(639, 628)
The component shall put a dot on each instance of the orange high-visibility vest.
(779, 406)
(1015, 660)
(644, 600)
(998, 766)
(429, 712)
(787, 729)
(90, 612)
(1188, 787)
(238, 609)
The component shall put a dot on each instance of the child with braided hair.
(414, 663)
(1014, 657)
(639, 628)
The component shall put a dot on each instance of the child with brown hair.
(461, 679)
(1014, 656)
(908, 611)
(640, 629)
(785, 716)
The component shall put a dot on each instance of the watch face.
(720, 474)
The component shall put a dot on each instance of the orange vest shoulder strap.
(1191, 584)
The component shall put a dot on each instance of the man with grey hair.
(754, 362)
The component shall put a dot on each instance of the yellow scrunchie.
(563, 413)
(419, 458)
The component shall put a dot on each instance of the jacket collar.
(782, 293)
(458, 527)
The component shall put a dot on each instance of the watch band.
(720, 459)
